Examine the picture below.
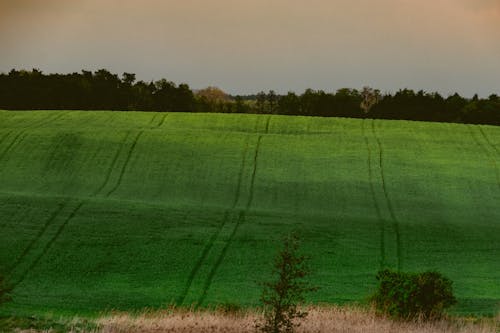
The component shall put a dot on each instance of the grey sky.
(247, 46)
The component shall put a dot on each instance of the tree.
(261, 101)
(240, 106)
(289, 104)
(184, 98)
(272, 99)
(213, 99)
(213, 95)
(281, 298)
(370, 98)
(128, 79)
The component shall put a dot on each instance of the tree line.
(103, 90)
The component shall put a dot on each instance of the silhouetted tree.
(261, 102)
(289, 104)
(272, 100)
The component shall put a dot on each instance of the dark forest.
(103, 90)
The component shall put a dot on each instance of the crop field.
(133, 210)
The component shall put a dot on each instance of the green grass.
(130, 210)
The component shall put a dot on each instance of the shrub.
(281, 298)
(410, 295)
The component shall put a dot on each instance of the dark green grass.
(108, 210)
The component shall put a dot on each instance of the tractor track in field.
(254, 172)
(240, 175)
(50, 242)
(485, 150)
(395, 221)
(4, 136)
(32, 243)
(201, 259)
(268, 121)
(56, 214)
(125, 164)
(1, 141)
(44, 121)
(213, 271)
(152, 120)
(53, 115)
(52, 217)
(230, 215)
(374, 197)
(210, 243)
(62, 206)
(487, 139)
(12, 143)
(162, 121)
(239, 220)
(109, 172)
(21, 135)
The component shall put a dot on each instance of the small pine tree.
(282, 297)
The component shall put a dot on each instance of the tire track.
(55, 215)
(395, 222)
(268, 120)
(483, 133)
(240, 220)
(162, 121)
(486, 152)
(5, 136)
(112, 165)
(125, 165)
(22, 133)
(48, 119)
(240, 174)
(209, 245)
(254, 172)
(49, 243)
(211, 275)
(374, 198)
(12, 143)
(46, 225)
(153, 119)
(52, 115)
(201, 259)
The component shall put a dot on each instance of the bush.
(282, 297)
(411, 295)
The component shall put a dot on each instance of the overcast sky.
(251, 45)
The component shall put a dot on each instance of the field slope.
(126, 210)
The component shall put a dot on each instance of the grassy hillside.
(103, 210)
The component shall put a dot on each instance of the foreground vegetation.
(325, 319)
(126, 211)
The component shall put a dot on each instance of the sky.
(245, 46)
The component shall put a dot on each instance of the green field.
(127, 210)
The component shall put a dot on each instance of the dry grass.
(320, 319)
